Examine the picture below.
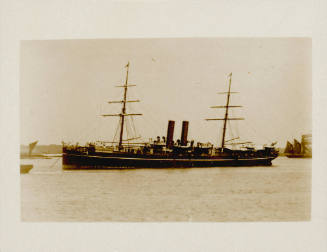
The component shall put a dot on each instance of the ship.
(298, 149)
(164, 152)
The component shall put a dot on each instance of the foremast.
(226, 107)
(123, 110)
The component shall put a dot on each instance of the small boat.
(298, 149)
(25, 168)
(29, 155)
(165, 152)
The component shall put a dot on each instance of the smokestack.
(170, 134)
(184, 133)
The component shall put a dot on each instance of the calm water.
(281, 192)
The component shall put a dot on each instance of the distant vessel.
(25, 168)
(165, 152)
(31, 147)
(30, 155)
(300, 150)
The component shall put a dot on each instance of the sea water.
(281, 192)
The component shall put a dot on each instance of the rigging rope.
(116, 132)
(127, 134)
(231, 132)
(57, 159)
(256, 132)
(133, 127)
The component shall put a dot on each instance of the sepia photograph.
(166, 130)
(159, 125)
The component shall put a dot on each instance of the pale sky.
(65, 86)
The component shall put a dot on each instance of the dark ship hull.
(120, 161)
(98, 162)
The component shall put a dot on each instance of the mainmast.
(226, 111)
(227, 106)
(123, 110)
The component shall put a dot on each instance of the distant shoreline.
(42, 149)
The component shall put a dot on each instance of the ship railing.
(75, 149)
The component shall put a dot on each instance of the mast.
(123, 110)
(227, 106)
(226, 112)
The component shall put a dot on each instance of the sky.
(65, 86)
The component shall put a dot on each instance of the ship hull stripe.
(71, 161)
